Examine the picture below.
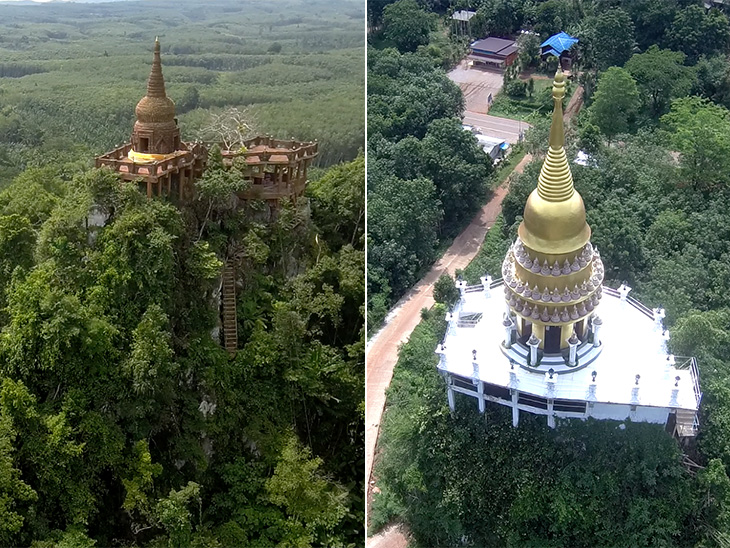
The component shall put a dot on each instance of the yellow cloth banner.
(142, 158)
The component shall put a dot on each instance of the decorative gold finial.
(156, 83)
(556, 182)
(557, 132)
(554, 218)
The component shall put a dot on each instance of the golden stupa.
(155, 136)
(552, 274)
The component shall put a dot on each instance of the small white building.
(534, 340)
(494, 147)
(460, 22)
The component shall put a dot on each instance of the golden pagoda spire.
(155, 131)
(555, 217)
(156, 82)
(552, 274)
(555, 183)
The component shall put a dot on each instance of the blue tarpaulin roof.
(559, 43)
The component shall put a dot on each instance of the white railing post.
(533, 342)
(486, 283)
(659, 315)
(451, 322)
(508, 324)
(573, 343)
(441, 352)
(450, 393)
(635, 391)
(596, 326)
(623, 291)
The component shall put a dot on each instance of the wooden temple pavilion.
(163, 165)
(275, 168)
(156, 158)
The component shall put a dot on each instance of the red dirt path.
(382, 353)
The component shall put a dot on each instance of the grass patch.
(491, 254)
(509, 164)
(529, 109)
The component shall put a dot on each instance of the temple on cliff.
(549, 339)
(163, 165)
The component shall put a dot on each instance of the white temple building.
(534, 340)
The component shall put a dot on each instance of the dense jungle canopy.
(122, 420)
(656, 127)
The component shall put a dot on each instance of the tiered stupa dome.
(552, 273)
(155, 130)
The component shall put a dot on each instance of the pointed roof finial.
(557, 133)
(555, 183)
(156, 82)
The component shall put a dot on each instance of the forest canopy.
(655, 128)
(123, 422)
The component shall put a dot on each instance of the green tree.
(697, 32)
(552, 16)
(615, 102)
(338, 204)
(403, 220)
(445, 291)
(618, 235)
(189, 101)
(589, 138)
(613, 36)
(713, 79)
(661, 76)
(17, 241)
(314, 504)
(700, 132)
(406, 93)
(459, 168)
(15, 494)
(652, 19)
(406, 25)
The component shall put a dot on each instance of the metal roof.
(493, 45)
(463, 15)
(559, 43)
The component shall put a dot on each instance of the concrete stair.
(686, 425)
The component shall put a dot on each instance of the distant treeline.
(233, 62)
(17, 70)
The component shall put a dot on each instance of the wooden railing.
(295, 151)
(118, 160)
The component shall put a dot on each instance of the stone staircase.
(686, 425)
(228, 297)
(469, 319)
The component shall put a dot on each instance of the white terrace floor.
(632, 343)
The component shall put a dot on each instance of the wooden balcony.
(119, 161)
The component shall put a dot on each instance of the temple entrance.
(526, 331)
(552, 339)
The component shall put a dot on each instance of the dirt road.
(382, 352)
(494, 126)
